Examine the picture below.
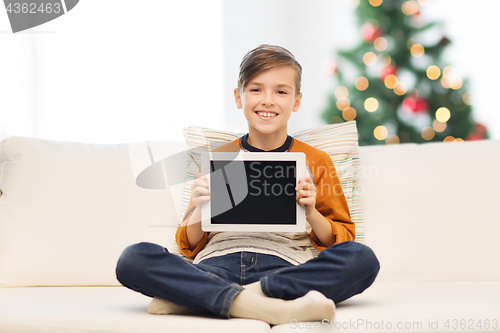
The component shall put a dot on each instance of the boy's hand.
(306, 194)
(200, 191)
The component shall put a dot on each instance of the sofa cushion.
(417, 306)
(69, 209)
(431, 210)
(101, 310)
(339, 141)
(425, 306)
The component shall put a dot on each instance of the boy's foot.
(310, 307)
(159, 306)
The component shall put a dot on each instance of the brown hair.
(264, 58)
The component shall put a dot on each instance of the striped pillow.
(339, 141)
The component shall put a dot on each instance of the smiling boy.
(267, 276)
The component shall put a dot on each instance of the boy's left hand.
(306, 194)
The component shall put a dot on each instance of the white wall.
(472, 26)
(113, 71)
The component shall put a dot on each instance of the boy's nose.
(268, 100)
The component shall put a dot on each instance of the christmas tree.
(395, 84)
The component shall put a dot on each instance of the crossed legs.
(304, 292)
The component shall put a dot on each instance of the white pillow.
(69, 209)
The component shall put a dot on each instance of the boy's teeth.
(266, 114)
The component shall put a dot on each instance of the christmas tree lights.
(395, 84)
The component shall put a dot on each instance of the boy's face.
(269, 99)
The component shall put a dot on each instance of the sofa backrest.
(69, 209)
(431, 210)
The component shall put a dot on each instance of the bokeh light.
(361, 83)
(400, 89)
(433, 72)
(375, 3)
(336, 120)
(449, 72)
(451, 79)
(380, 44)
(458, 140)
(455, 83)
(417, 50)
(385, 59)
(343, 103)
(371, 104)
(467, 98)
(392, 139)
(370, 59)
(410, 42)
(410, 7)
(341, 92)
(380, 132)
(349, 113)
(445, 82)
(391, 81)
(449, 139)
(428, 133)
(438, 126)
(443, 114)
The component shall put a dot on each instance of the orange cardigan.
(330, 199)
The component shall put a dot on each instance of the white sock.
(159, 306)
(312, 306)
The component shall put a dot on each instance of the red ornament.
(480, 129)
(332, 68)
(415, 105)
(388, 70)
(477, 133)
(370, 32)
(473, 137)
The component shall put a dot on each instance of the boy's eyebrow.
(278, 85)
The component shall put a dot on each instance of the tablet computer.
(253, 191)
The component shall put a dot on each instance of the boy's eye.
(255, 89)
(281, 92)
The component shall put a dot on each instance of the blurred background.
(120, 71)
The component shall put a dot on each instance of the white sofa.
(67, 210)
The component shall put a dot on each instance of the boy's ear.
(237, 98)
(297, 103)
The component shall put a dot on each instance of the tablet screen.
(253, 192)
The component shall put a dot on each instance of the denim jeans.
(339, 272)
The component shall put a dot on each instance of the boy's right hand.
(200, 191)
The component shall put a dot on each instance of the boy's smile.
(268, 102)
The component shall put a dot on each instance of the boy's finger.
(201, 192)
(306, 178)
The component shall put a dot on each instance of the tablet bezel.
(298, 157)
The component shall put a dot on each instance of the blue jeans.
(339, 272)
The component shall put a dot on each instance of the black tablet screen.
(253, 192)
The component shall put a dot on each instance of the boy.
(267, 276)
